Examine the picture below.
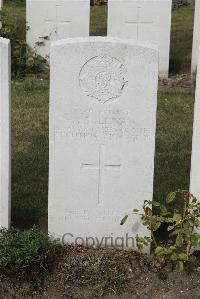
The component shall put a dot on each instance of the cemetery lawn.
(30, 147)
(30, 124)
(181, 39)
(98, 25)
(181, 32)
(17, 13)
(96, 273)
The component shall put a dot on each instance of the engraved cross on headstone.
(56, 21)
(100, 166)
(138, 22)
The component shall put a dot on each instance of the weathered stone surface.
(5, 123)
(195, 164)
(144, 20)
(102, 137)
(55, 20)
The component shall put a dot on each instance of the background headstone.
(196, 36)
(56, 19)
(103, 102)
(195, 164)
(5, 123)
(145, 20)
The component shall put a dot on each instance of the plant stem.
(154, 239)
(190, 246)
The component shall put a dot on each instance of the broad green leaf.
(177, 217)
(170, 197)
(124, 220)
(197, 222)
(159, 250)
(179, 241)
(169, 220)
(175, 232)
(156, 226)
(172, 248)
(180, 266)
(195, 240)
(183, 256)
(150, 240)
(163, 209)
(173, 257)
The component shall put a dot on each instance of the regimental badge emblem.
(103, 78)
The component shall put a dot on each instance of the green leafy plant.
(182, 224)
(22, 250)
(23, 59)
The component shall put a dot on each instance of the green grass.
(173, 142)
(30, 147)
(18, 14)
(98, 21)
(181, 31)
(181, 39)
(181, 35)
(30, 126)
(29, 151)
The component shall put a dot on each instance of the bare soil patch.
(103, 273)
(183, 82)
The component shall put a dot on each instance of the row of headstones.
(103, 98)
(141, 20)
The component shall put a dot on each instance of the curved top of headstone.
(102, 71)
(100, 63)
(4, 50)
(99, 39)
(4, 55)
(4, 41)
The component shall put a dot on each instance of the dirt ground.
(100, 273)
(183, 82)
(103, 273)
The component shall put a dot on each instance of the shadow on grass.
(173, 143)
(181, 39)
(29, 152)
(30, 149)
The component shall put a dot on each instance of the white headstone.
(56, 19)
(196, 36)
(144, 20)
(195, 167)
(5, 123)
(102, 133)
